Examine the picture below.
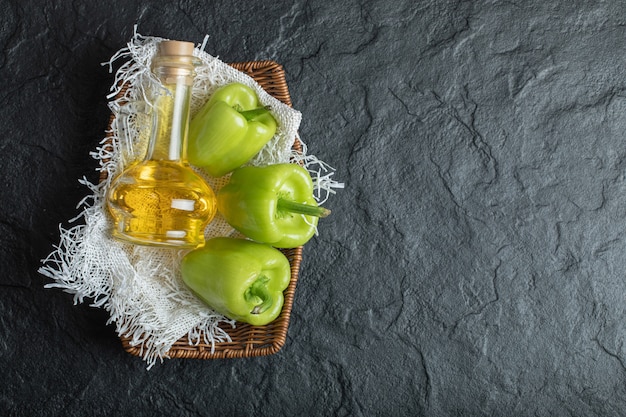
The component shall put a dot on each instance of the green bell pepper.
(273, 204)
(241, 279)
(229, 130)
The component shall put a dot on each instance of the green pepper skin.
(229, 130)
(249, 203)
(234, 276)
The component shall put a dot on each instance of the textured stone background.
(474, 265)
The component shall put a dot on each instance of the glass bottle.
(161, 201)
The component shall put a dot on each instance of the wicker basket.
(248, 340)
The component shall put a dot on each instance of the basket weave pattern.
(247, 340)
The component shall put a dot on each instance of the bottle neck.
(170, 123)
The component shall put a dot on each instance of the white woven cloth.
(140, 286)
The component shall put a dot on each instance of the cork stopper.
(176, 48)
(175, 59)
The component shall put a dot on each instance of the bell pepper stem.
(306, 209)
(253, 113)
(258, 291)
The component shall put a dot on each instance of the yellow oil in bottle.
(161, 201)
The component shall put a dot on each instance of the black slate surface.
(474, 265)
